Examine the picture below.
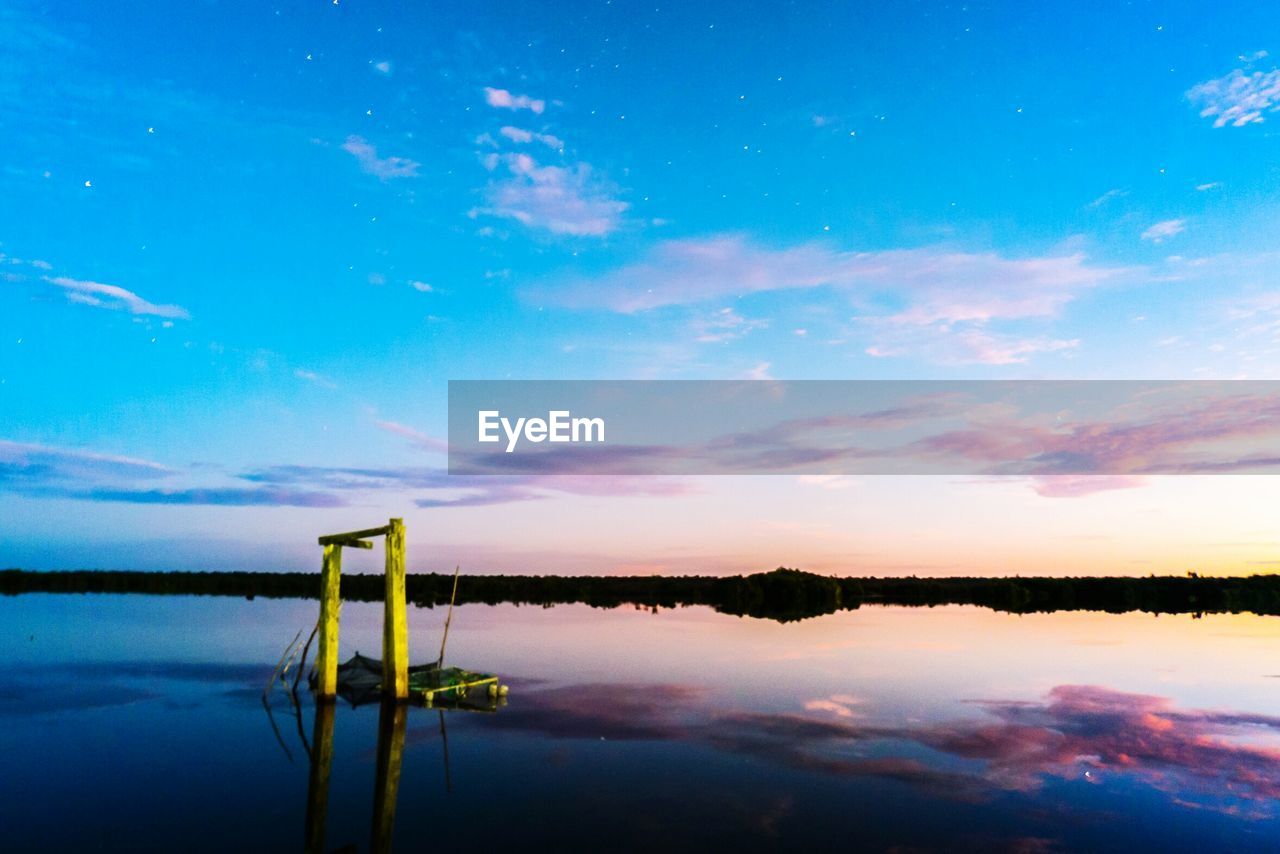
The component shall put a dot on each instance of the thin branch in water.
(302, 665)
(275, 674)
(275, 729)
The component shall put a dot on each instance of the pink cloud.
(1220, 760)
(381, 167)
(1169, 429)
(839, 705)
(946, 286)
(503, 99)
(1184, 435)
(1079, 485)
(1195, 754)
(562, 200)
(945, 301)
(519, 135)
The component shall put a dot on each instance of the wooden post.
(330, 604)
(395, 625)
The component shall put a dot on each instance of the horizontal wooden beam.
(355, 544)
(342, 539)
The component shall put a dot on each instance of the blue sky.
(237, 238)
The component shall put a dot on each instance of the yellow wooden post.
(392, 721)
(395, 626)
(318, 779)
(330, 604)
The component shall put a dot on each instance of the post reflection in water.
(392, 724)
(386, 784)
(318, 780)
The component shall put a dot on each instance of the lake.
(137, 723)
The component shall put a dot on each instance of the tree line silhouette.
(783, 594)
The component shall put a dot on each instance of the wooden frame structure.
(395, 626)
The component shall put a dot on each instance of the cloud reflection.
(1219, 760)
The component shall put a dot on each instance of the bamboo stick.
(448, 619)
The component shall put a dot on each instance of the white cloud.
(1162, 231)
(314, 378)
(1212, 185)
(1256, 315)
(382, 167)
(70, 472)
(1238, 99)
(36, 263)
(416, 437)
(383, 67)
(724, 325)
(521, 135)
(937, 285)
(114, 298)
(826, 481)
(967, 345)
(563, 200)
(981, 347)
(421, 287)
(759, 372)
(930, 303)
(503, 99)
(1107, 196)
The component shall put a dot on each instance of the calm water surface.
(137, 723)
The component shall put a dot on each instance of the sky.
(244, 247)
